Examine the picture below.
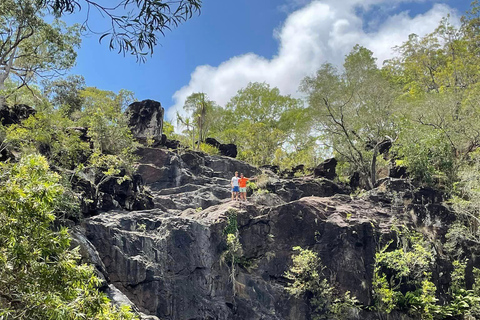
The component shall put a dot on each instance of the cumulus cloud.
(319, 32)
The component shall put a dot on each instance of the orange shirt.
(242, 182)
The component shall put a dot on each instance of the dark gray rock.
(171, 267)
(145, 119)
(15, 114)
(326, 169)
(294, 189)
(99, 194)
(170, 261)
(227, 150)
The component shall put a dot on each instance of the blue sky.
(278, 41)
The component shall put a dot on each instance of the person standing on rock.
(242, 182)
(235, 186)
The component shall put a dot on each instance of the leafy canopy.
(40, 276)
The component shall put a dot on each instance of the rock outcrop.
(227, 150)
(170, 261)
(15, 114)
(326, 169)
(100, 193)
(145, 119)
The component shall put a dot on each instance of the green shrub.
(307, 278)
(40, 276)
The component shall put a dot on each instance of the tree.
(30, 47)
(102, 113)
(200, 117)
(134, 24)
(439, 76)
(40, 275)
(65, 94)
(353, 110)
(260, 120)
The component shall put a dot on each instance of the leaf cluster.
(40, 276)
(134, 24)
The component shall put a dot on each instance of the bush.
(40, 276)
(307, 278)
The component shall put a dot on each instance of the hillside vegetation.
(425, 103)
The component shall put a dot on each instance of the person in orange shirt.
(242, 183)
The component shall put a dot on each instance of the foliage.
(208, 149)
(466, 203)
(402, 281)
(259, 120)
(234, 251)
(30, 47)
(65, 94)
(306, 276)
(40, 277)
(352, 110)
(49, 134)
(407, 266)
(107, 124)
(167, 128)
(134, 25)
(439, 76)
(201, 112)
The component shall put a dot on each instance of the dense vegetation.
(76, 131)
(425, 102)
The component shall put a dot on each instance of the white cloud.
(321, 31)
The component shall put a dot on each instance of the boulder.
(272, 168)
(213, 142)
(15, 114)
(354, 182)
(326, 169)
(227, 150)
(145, 119)
(169, 144)
(384, 146)
(112, 194)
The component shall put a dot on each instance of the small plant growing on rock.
(208, 149)
(307, 279)
(402, 281)
(234, 250)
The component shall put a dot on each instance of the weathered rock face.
(227, 150)
(171, 266)
(188, 179)
(326, 169)
(97, 194)
(15, 114)
(170, 261)
(145, 119)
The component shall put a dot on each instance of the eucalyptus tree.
(260, 120)
(30, 47)
(352, 109)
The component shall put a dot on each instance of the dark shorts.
(236, 189)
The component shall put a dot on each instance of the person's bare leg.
(232, 195)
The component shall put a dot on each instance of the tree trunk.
(373, 167)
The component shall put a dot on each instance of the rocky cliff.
(170, 261)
